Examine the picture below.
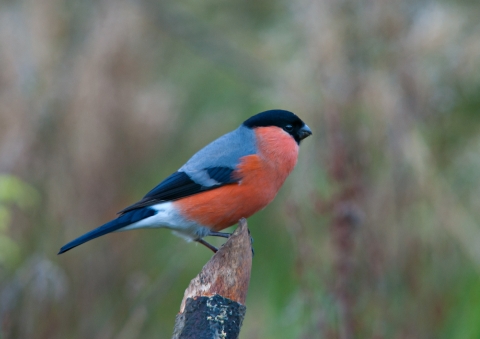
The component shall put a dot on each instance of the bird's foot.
(219, 234)
(222, 235)
(251, 243)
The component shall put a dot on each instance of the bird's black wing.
(180, 185)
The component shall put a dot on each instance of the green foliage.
(13, 191)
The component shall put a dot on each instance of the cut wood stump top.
(228, 271)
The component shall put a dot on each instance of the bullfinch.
(233, 177)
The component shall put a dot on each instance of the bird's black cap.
(285, 120)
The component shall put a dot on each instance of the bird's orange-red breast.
(260, 177)
(233, 177)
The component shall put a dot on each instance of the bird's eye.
(288, 128)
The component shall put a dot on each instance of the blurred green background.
(376, 234)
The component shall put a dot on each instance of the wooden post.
(213, 304)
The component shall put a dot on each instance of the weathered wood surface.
(213, 304)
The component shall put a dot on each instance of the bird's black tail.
(111, 226)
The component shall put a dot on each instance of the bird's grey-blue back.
(226, 151)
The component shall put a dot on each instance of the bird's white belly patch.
(167, 216)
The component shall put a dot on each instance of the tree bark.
(213, 304)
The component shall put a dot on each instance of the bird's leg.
(222, 235)
(206, 244)
(219, 234)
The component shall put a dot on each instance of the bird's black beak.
(304, 132)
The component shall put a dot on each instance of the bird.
(231, 178)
